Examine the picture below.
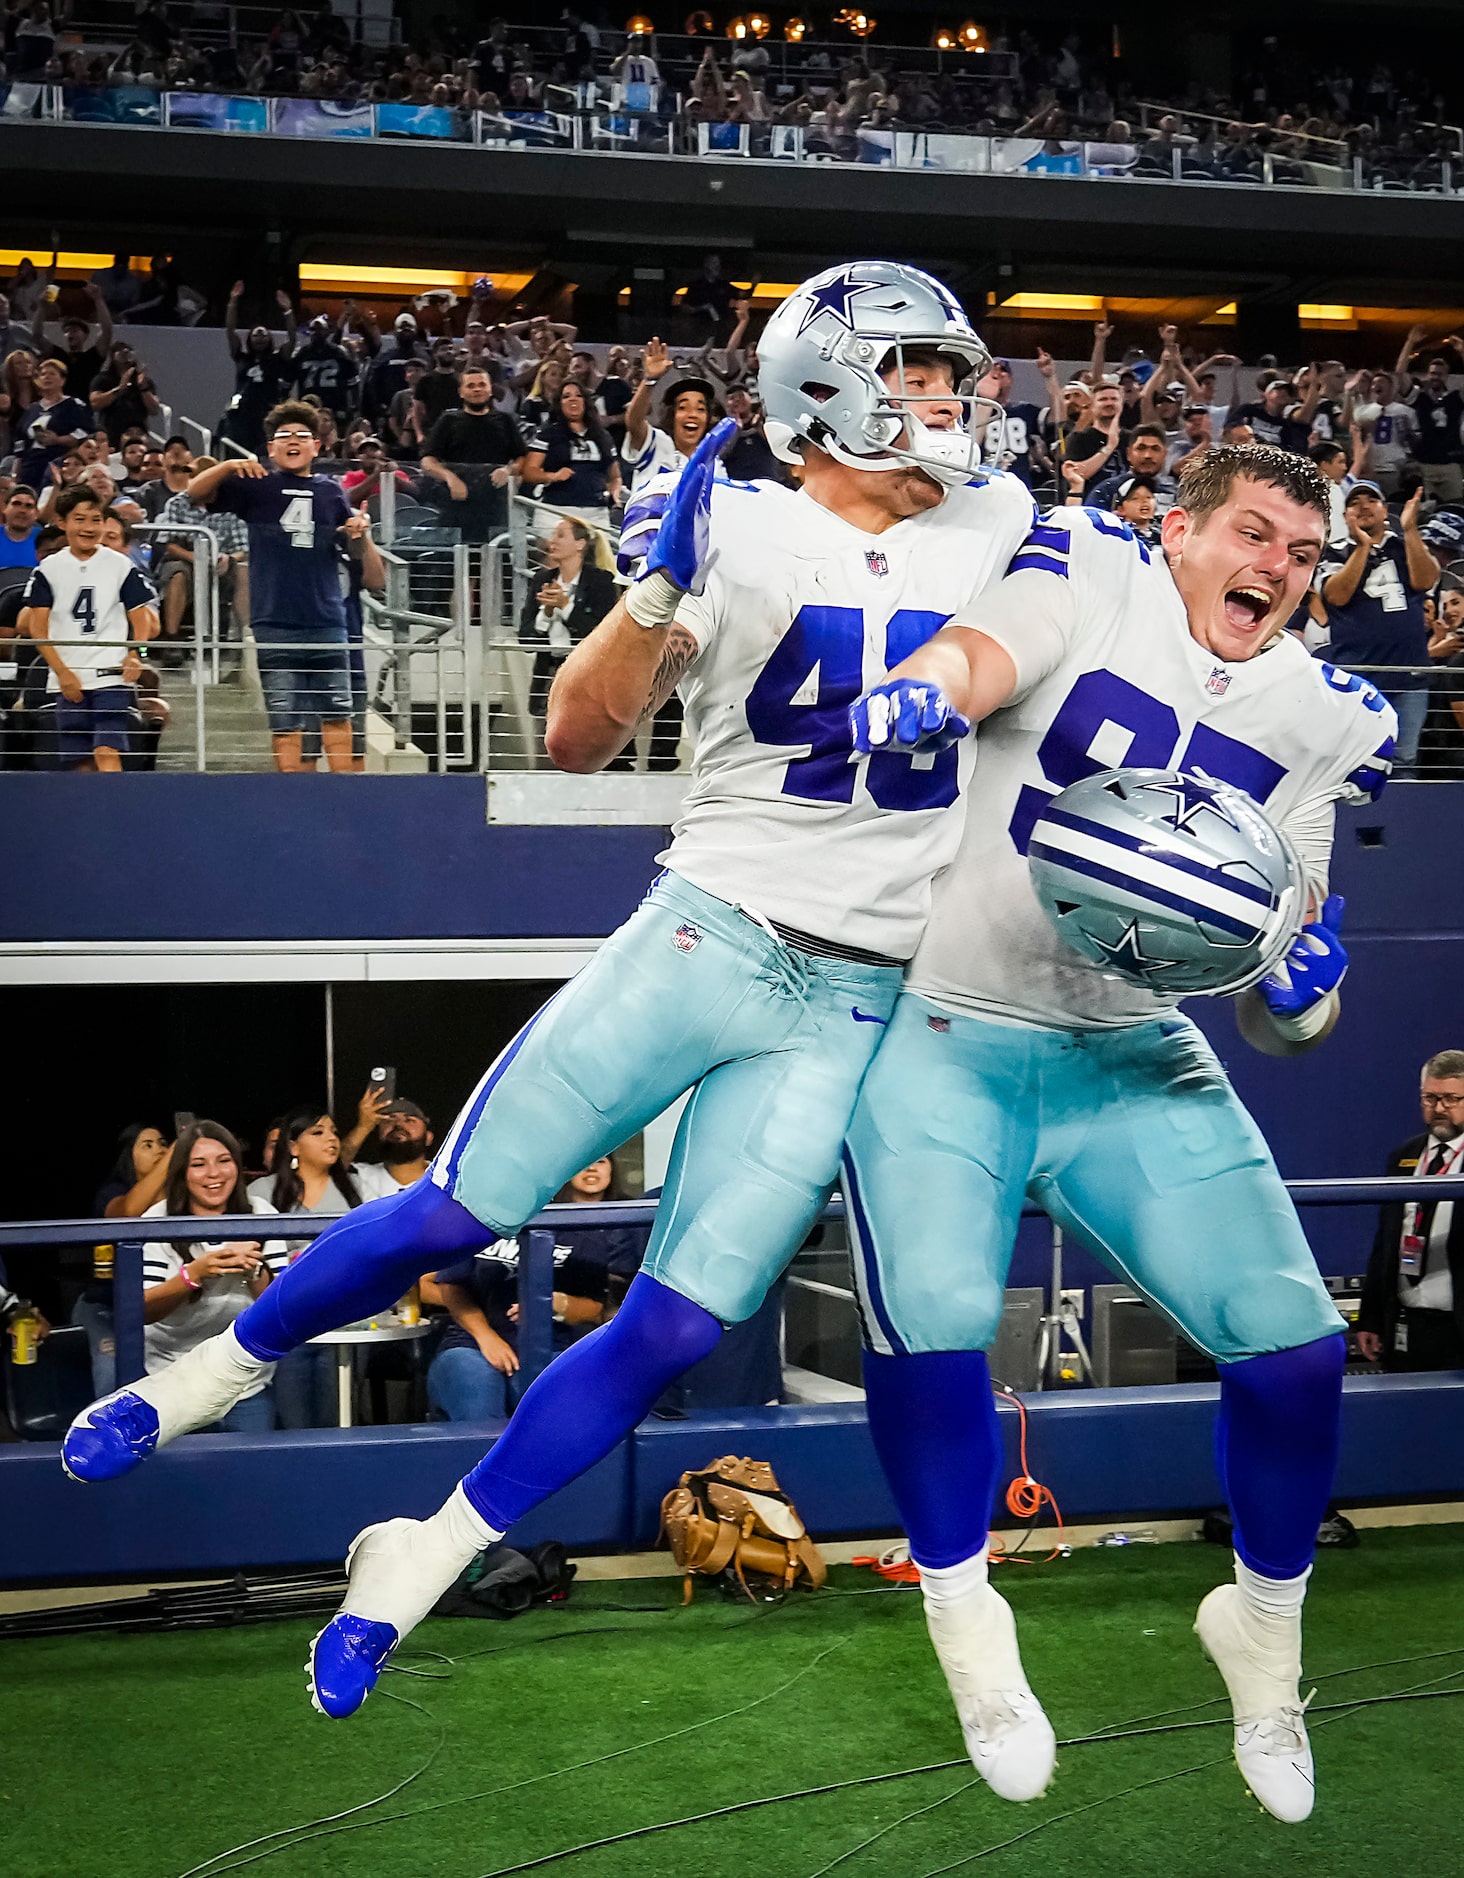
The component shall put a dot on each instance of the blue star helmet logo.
(1192, 797)
(834, 297)
(1128, 956)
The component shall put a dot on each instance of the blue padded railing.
(536, 1263)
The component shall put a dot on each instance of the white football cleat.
(118, 1433)
(1263, 1676)
(397, 1571)
(1008, 1737)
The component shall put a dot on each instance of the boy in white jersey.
(1014, 1067)
(763, 965)
(94, 601)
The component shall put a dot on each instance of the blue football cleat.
(111, 1438)
(345, 1661)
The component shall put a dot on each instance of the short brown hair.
(1445, 1064)
(75, 496)
(293, 411)
(1205, 486)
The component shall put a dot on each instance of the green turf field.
(150, 1756)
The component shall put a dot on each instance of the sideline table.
(387, 1330)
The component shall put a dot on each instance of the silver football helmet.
(1167, 880)
(820, 359)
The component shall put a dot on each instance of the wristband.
(652, 602)
(188, 1278)
(1306, 1024)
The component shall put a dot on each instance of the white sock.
(948, 1586)
(1270, 1600)
(231, 1358)
(461, 1524)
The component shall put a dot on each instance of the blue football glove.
(1314, 966)
(907, 715)
(679, 550)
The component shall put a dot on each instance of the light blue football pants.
(689, 994)
(1132, 1140)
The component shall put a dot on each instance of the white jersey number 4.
(803, 694)
(298, 521)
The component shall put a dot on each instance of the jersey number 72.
(829, 640)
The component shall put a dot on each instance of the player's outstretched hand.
(679, 551)
(1314, 966)
(904, 714)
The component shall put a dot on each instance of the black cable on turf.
(330, 1818)
(1059, 1819)
(1105, 1733)
(310, 1836)
(902, 1773)
(895, 1824)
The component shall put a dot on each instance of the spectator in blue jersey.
(1014, 443)
(325, 370)
(296, 520)
(1268, 420)
(1439, 446)
(570, 463)
(1373, 593)
(362, 568)
(474, 1375)
(263, 371)
(48, 429)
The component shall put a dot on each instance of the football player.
(760, 970)
(1014, 1067)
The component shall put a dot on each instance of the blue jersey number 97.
(830, 641)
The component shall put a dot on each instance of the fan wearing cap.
(1144, 456)
(1133, 502)
(1373, 591)
(372, 463)
(686, 411)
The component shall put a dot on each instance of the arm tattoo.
(677, 653)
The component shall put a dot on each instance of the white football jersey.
(1109, 676)
(89, 602)
(801, 613)
(656, 455)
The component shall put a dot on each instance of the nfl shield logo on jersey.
(876, 561)
(1218, 683)
(686, 937)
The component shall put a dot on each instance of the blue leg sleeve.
(362, 1263)
(589, 1399)
(1276, 1445)
(933, 1421)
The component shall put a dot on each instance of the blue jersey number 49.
(829, 641)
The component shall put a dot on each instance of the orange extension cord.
(1025, 1499)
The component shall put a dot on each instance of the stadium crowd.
(1286, 104)
(456, 409)
(465, 1365)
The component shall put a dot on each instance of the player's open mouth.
(1246, 607)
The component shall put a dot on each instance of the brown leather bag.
(733, 1516)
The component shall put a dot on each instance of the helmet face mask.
(828, 355)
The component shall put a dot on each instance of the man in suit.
(1412, 1314)
(567, 599)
